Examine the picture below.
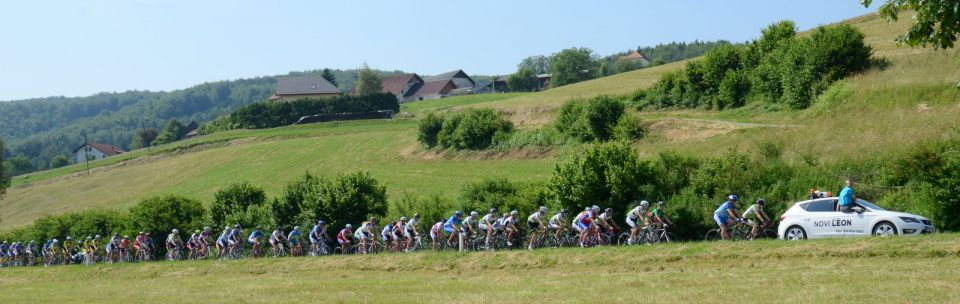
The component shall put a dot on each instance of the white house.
(95, 152)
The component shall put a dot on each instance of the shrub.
(161, 214)
(607, 174)
(275, 114)
(240, 203)
(343, 199)
(502, 194)
(628, 128)
(431, 209)
(474, 129)
(428, 128)
(593, 120)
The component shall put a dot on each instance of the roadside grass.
(900, 269)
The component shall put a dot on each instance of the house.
(403, 86)
(95, 152)
(291, 88)
(434, 90)
(635, 56)
(190, 130)
(497, 85)
(458, 77)
(543, 82)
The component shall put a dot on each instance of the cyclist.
(365, 234)
(510, 225)
(638, 219)
(452, 226)
(660, 217)
(89, 249)
(556, 224)
(254, 240)
(193, 244)
(4, 247)
(148, 244)
(318, 235)
(52, 250)
(410, 230)
(276, 240)
(535, 224)
(113, 247)
(436, 233)
(294, 239)
(222, 242)
(205, 242)
(344, 237)
(470, 223)
(174, 244)
(138, 243)
(398, 233)
(583, 223)
(606, 223)
(756, 217)
(235, 241)
(31, 251)
(488, 223)
(124, 247)
(67, 247)
(387, 235)
(727, 215)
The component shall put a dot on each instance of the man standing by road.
(847, 198)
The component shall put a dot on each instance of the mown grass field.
(894, 270)
(878, 112)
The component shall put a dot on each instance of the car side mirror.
(859, 210)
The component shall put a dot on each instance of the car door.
(821, 213)
(857, 224)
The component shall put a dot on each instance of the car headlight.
(909, 219)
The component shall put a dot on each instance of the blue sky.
(78, 48)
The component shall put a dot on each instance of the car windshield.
(870, 205)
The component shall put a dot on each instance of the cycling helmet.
(55, 241)
(595, 207)
(493, 210)
(147, 234)
(236, 226)
(660, 203)
(126, 237)
(543, 209)
(587, 208)
(69, 238)
(349, 226)
(403, 218)
(89, 238)
(458, 213)
(416, 215)
(514, 212)
(644, 203)
(563, 211)
(98, 236)
(761, 202)
(321, 223)
(473, 213)
(196, 231)
(296, 227)
(206, 228)
(734, 197)
(31, 242)
(116, 235)
(226, 227)
(608, 210)
(373, 219)
(258, 227)
(141, 232)
(175, 231)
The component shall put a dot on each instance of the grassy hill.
(881, 111)
(900, 269)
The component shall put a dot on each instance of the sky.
(79, 48)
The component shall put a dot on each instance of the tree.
(4, 180)
(240, 203)
(524, 80)
(428, 128)
(171, 132)
(539, 64)
(607, 174)
(328, 75)
(936, 22)
(344, 199)
(19, 164)
(161, 214)
(571, 66)
(368, 83)
(144, 138)
(59, 161)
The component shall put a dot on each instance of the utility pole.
(143, 131)
(86, 151)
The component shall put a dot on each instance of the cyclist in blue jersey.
(452, 226)
(254, 239)
(294, 239)
(727, 215)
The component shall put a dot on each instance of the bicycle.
(738, 232)
(279, 250)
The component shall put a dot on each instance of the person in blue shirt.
(727, 215)
(453, 225)
(847, 198)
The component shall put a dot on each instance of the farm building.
(404, 86)
(95, 152)
(635, 56)
(458, 77)
(434, 90)
(298, 87)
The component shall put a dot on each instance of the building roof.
(450, 75)
(436, 87)
(634, 56)
(305, 85)
(395, 84)
(105, 148)
(543, 75)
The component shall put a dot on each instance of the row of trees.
(274, 114)
(779, 69)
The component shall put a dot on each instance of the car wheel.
(795, 233)
(884, 229)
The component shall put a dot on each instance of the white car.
(819, 218)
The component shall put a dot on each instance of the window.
(821, 206)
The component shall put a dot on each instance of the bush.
(343, 199)
(240, 203)
(628, 128)
(474, 129)
(161, 214)
(275, 114)
(428, 128)
(607, 174)
(502, 194)
(431, 209)
(594, 120)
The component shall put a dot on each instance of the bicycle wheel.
(712, 236)
(623, 239)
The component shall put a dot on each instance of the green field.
(878, 112)
(872, 270)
